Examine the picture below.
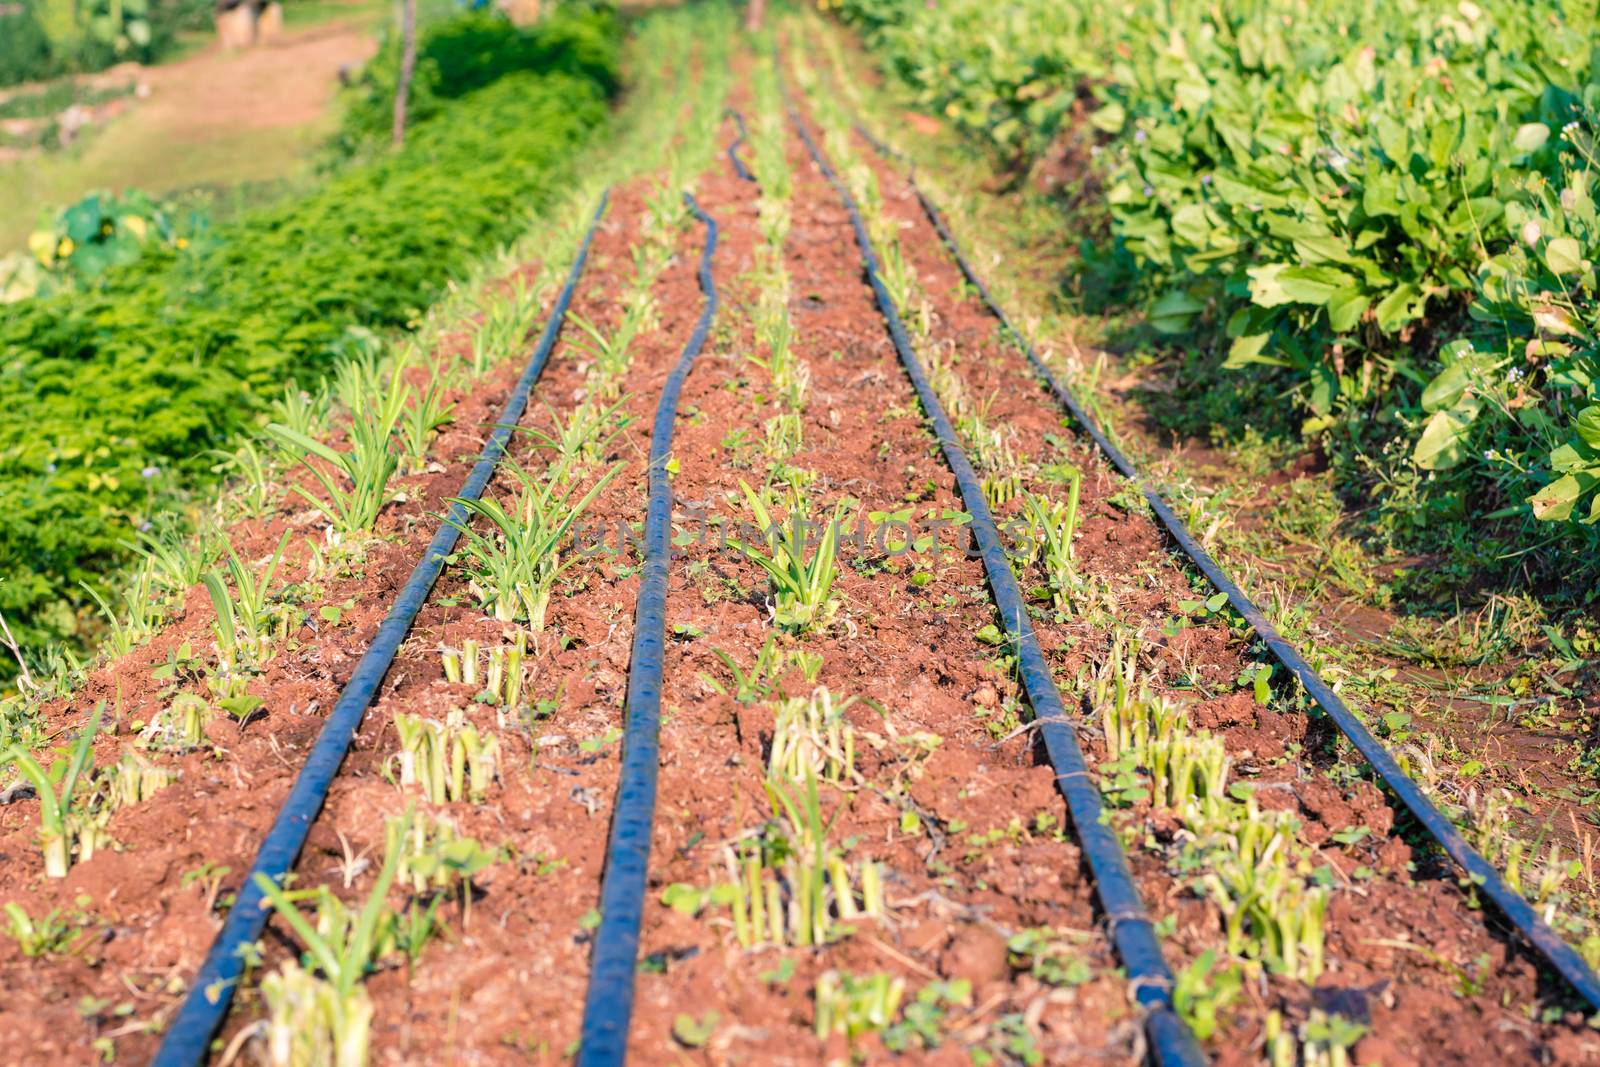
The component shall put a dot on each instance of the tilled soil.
(147, 904)
(1403, 945)
(966, 825)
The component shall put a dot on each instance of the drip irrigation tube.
(608, 1006)
(1130, 927)
(733, 148)
(188, 1040)
(1516, 908)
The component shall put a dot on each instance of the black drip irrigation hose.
(1131, 931)
(733, 148)
(1516, 908)
(187, 1042)
(608, 1006)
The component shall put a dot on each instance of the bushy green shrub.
(24, 46)
(43, 38)
(110, 396)
(1332, 200)
(460, 55)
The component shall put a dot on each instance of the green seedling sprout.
(58, 822)
(448, 761)
(802, 582)
(355, 482)
(244, 624)
(854, 1005)
(514, 567)
(331, 1016)
(812, 736)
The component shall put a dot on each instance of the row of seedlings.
(1556, 868)
(483, 805)
(853, 798)
(219, 650)
(1261, 848)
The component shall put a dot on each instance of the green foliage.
(43, 38)
(110, 397)
(461, 55)
(88, 238)
(1384, 213)
(24, 47)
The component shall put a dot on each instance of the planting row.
(1372, 230)
(117, 389)
(858, 847)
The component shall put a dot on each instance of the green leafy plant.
(354, 481)
(164, 358)
(48, 935)
(856, 1004)
(245, 624)
(811, 736)
(323, 1014)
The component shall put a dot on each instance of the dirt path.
(216, 118)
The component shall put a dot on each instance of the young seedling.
(141, 614)
(583, 437)
(811, 736)
(503, 680)
(851, 1005)
(448, 761)
(245, 625)
(48, 935)
(328, 1019)
(176, 561)
(180, 727)
(61, 825)
(802, 580)
(303, 411)
(513, 569)
(422, 420)
(355, 482)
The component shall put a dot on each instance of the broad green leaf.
(1588, 426)
(1247, 350)
(1109, 118)
(1531, 137)
(1345, 309)
(1443, 443)
(1563, 255)
(1449, 385)
(1555, 501)
(1278, 284)
(1175, 311)
(1396, 309)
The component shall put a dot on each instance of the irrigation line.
(608, 1006)
(1150, 979)
(188, 1041)
(1516, 908)
(733, 148)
